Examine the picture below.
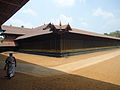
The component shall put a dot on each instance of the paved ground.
(107, 71)
(86, 62)
(38, 70)
(96, 71)
(52, 61)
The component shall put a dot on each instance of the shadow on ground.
(51, 80)
(56, 82)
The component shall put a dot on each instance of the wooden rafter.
(9, 8)
(4, 13)
(10, 3)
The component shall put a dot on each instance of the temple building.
(49, 39)
(54, 40)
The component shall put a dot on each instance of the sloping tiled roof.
(7, 43)
(41, 27)
(40, 31)
(35, 32)
(92, 34)
(15, 30)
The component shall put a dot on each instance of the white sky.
(98, 16)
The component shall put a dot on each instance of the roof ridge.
(15, 27)
(94, 34)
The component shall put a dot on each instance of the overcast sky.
(98, 16)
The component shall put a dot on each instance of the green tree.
(115, 34)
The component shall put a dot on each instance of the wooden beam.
(3, 13)
(13, 4)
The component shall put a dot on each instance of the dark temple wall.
(78, 41)
(64, 42)
(42, 42)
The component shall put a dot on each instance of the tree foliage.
(1, 38)
(115, 34)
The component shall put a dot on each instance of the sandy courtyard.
(104, 75)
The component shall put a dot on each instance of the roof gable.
(58, 28)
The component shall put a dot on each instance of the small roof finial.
(60, 23)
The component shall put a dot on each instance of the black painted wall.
(64, 42)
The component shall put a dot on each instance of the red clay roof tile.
(39, 31)
(7, 43)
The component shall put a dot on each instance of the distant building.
(54, 40)
(7, 9)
